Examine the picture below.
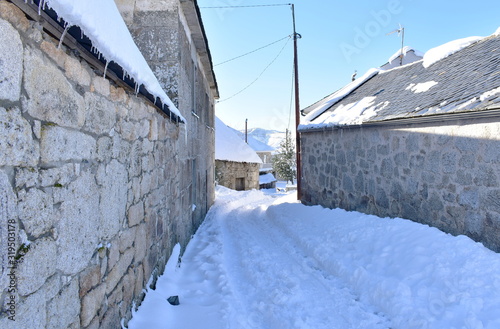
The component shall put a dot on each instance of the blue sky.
(338, 37)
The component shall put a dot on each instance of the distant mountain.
(254, 143)
(272, 138)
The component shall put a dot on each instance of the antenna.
(400, 31)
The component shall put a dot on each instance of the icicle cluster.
(102, 23)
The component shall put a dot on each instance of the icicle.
(105, 69)
(41, 4)
(137, 87)
(63, 35)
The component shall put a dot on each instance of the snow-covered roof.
(230, 147)
(267, 178)
(410, 55)
(102, 23)
(438, 53)
(450, 79)
(321, 106)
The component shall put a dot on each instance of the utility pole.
(297, 106)
(246, 131)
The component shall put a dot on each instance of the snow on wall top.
(102, 23)
(230, 147)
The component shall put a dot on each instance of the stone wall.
(97, 182)
(161, 32)
(446, 174)
(228, 172)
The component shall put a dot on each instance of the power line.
(260, 75)
(251, 52)
(249, 6)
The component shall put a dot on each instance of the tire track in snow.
(278, 284)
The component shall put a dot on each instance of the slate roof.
(455, 84)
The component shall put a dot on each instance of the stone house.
(236, 163)
(420, 141)
(98, 181)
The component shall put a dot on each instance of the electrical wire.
(260, 75)
(253, 51)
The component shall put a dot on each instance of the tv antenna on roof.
(400, 31)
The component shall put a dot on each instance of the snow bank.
(102, 23)
(418, 276)
(156, 303)
(229, 146)
(438, 53)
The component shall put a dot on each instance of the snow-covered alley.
(266, 261)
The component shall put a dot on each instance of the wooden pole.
(297, 107)
(246, 131)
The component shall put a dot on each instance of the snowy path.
(264, 262)
(278, 284)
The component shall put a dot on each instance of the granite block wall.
(96, 185)
(228, 172)
(444, 174)
(161, 32)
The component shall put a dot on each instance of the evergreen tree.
(284, 161)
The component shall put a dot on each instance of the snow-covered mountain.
(272, 138)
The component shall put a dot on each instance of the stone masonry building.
(97, 185)
(420, 141)
(236, 163)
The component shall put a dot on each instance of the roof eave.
(490, 112)
(193, 17)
